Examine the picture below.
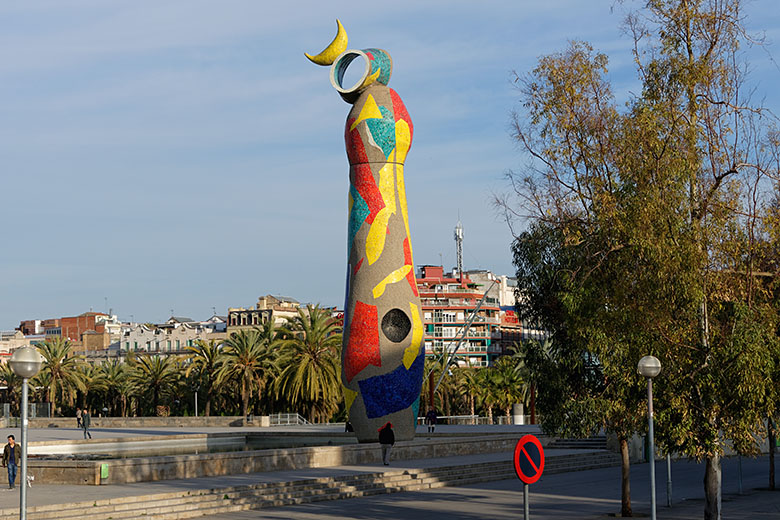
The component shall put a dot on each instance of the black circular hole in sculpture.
(396, 325)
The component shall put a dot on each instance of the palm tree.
(205, 359)
(487, 394)
(118, 386)
(468, 385)
(61, 367)
(92, 379)
(154, 377)
(510, 387)
(248, 359)
(13, 385)
(39, 387)
(309, 362)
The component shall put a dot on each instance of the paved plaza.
(583, 494)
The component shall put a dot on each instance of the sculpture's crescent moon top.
(331, 52)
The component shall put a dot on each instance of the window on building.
(178, 345)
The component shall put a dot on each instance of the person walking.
(85, 420)
(78, 417)
(430, 419)
(12, 458)
(386, 440)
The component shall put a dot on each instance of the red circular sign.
(529, 459)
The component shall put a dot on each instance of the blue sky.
(185, 155)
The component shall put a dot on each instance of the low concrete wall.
(140, 446)
(122, 471)
(147, 422)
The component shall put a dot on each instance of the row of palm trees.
(267, 369)
(466, 390)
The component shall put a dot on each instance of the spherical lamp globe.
(25, 362)
(649, 367)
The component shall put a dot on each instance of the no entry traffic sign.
(529, 459)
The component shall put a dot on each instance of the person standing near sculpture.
(78, 417)
(430, 419)
(12, 457)
(386, 440)
(85, 422)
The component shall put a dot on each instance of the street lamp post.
(649, 367)
(25, 363)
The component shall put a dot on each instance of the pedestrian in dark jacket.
(386, 440)
(430, 420)
(85, 422)
(12, 459)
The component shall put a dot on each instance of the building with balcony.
(448, 300)
(276, 308)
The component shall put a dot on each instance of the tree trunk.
(207, 411)
(244, 399)
(712, 481)
(625, 480)
(772, 443)
(533, 403)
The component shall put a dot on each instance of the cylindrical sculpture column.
(382, 358)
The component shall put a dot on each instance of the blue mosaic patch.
(394, 391)
(356, 217)
(381, 59)
(383, 130)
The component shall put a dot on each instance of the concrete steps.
(192, 504)
(590, 443)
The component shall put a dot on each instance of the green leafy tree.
(309, 362)
(205, 359)
(644, 235)
(60, 365)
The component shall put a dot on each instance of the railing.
(287, 419)
(476, 419)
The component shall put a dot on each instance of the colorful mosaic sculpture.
(382, 355)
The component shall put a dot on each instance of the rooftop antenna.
(459, 248)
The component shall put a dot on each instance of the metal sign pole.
(668, 480)
(526, 514)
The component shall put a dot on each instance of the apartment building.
(448, 300)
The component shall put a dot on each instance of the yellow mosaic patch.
(395, 276)
(349, 397)
(375, 240)
(370, 110)
(411, 352)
